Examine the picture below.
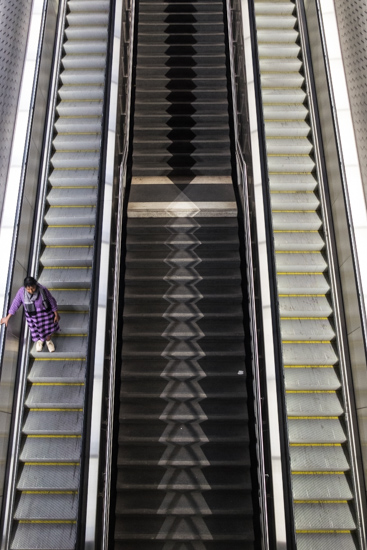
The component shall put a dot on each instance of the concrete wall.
(343, 243)
(9, 366)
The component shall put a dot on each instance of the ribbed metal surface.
(46, 506)
(324, 507)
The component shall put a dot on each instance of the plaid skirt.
(42, 325)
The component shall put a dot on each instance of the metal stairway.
(46, 502)
(324, 497)
(185, 465)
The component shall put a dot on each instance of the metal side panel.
(325, 507)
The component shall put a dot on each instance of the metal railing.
(240, 129)
(128, 45)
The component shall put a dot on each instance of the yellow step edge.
(72, 335)
(282, 104)
(69, 246)
(66, 289)
(292, 56)
(76, 151)
(300, 272)
(290, 192)
(306, 341)
(264, 42)
(284, 88)
(310, 391)
(300, 473)
(54, 436)
(297, 252)
(59, 358)
(290, 174)
(294, 155)
(89, 168)
(92, 100)
(48, 521)
(286, 120)
(73, 206)
(308, 366)
(314, 418)
(323, 531)
(51, 464)
(302, 318)
(86, 69)
(71, 226)
(58, 384)
(78, 133)
(69, 85)
(280, 72)
(300, 295)
(320, 501)
(73, 311)
(67, 267)
(49, 492)
(79, 116)
(53, 410)
(305, 138)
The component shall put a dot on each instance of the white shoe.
(50, 345)
(39, 345)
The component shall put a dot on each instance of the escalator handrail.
(244, 195)
(116, 281)
(23, 357)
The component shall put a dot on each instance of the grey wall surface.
(343, 245)
(352, 24)
(14, 22)
(10, 360)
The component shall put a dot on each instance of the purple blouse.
(19, 299)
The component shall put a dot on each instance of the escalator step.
(49, 477)
(39, 422)
(35, 536)
(56, 507)
(57, 371)
(49, 449)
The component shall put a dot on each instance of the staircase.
(181, 104)
(186, 470)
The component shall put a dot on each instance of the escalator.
(324, 489)
(185, 466)
(44, 511)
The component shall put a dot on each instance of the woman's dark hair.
(30, 281)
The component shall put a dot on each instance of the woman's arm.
(53, 304)
(5, 320)
(16, 303)
(51, 299)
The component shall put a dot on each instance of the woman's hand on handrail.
(5, 320)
